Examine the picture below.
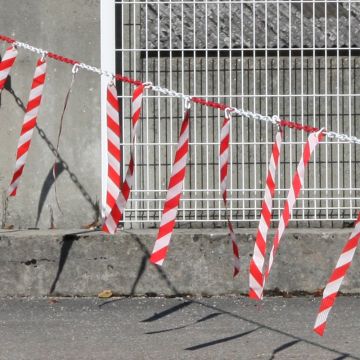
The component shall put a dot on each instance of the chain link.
(241, 112)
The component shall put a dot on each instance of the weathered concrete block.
(37, 263)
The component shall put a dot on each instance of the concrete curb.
(81, 263)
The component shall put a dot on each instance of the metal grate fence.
(297, 59)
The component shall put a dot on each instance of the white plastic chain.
(248, 114)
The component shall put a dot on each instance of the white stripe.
(333, 287)
(32, 114)
(25, 137)
(114, 139)
(174, 191)
(321, 318)
(40, 70)
(114, 163)
(136, 105)
(110, 224)
(179, 165)
(36, 92)
(112, 112)
(346, 257)
(162, 242)
(170, 215)
(113, 188)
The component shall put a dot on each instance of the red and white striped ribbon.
(294, 192)
(112, 220)
(113, 148)
(224, 156)
(336, 278)
(173, 195)
(256, 276)
(30, 119)
(6, 64)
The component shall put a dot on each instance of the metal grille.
(297, 59)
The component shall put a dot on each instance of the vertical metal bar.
(338, 108)
(195, 118)
(314, 107)
(350, 120)
(326, 113)
(159, 105)
(231, 169)
(107, 23)
(302, 98)
(207, 114)
(242, 119)
(254, 181)
(135, 198)
(148, 188)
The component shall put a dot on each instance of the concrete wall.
(39, 263)
(71, 28)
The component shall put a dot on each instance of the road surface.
(156, 328)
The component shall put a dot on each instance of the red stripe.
(114, 127)
(255, 272)
(17, 173)
(182, 151)
(339, 272)
(185, 122)
(114, 176)
(113, 101)
(110, 200)
(271, 184)
(23, 149)
(253, 295)
(261, 244)
(114, 151)
(320, 329)
(158, 255)
(39, 80)
(177, 178)
(7, 63)
(172, 203)
(166, 229)
(116, 214)
(224, 145)
(29, 125)
(224, 172)
(34, 103)
(353, 242)
(327, 302)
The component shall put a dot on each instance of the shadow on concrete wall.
(61, 166)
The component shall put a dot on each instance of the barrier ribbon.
(256, 276)
(224, 155)
(336, 278)
(112, 220)
(174, 193)
(6, 64)
(113, 148)
(30, 119)
(297, 183)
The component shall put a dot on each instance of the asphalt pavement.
(157, 328)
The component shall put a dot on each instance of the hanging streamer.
(294, 192)
(6, 64)
(30, 119)
(112, 221)
(224, 156)
(336, 278)
(113, 148)
(174, 193)
(256, 277)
